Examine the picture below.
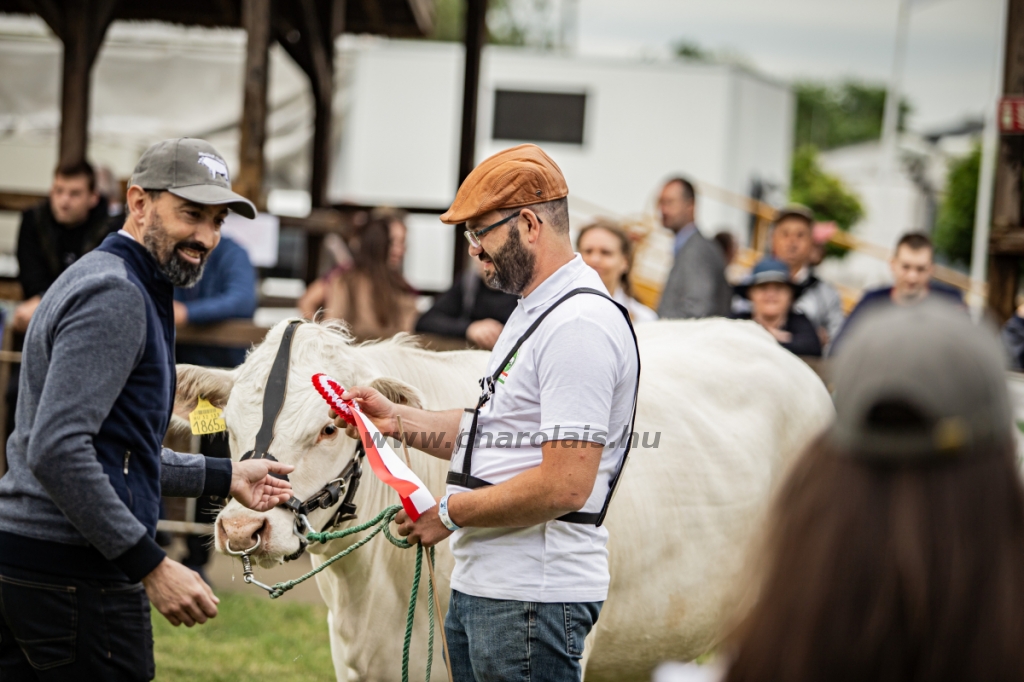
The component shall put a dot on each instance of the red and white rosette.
(332, 391)
(388, 466)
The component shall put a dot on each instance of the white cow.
(732, 408)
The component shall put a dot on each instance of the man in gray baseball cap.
(79, 504)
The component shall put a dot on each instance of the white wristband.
(442, 513)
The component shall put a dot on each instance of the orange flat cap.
(515, 177)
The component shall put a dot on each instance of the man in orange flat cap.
(534, 465)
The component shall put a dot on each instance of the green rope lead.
(380, 522)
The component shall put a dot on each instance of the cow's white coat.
(733, 409)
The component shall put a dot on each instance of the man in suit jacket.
(696, 286)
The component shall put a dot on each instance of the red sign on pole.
(1011, 115)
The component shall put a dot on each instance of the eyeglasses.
(473, 236)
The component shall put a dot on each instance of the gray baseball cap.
(191, 169)
(920, 383)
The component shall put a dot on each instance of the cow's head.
(304, 435)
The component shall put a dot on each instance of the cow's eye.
(327, 432)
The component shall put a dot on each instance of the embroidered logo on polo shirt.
(504, 372)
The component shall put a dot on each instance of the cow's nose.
(241, 533)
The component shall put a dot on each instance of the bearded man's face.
(512, 265)
(180, 235)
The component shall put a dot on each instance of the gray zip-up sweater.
(86, 468)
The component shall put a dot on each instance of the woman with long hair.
(607, 248)
(371, 296)
(895, 550)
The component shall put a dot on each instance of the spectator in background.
(696, 285)
(895, 549)
(793, 244)
(771, 292)
(56, 233)
(607, 248)
(397, 233)
(110, 189)
(734, 272)
(227, 290)
(727, 243)
(470, 310)
(912, 268)
(372, 297)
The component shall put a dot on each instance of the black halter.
(345, 483)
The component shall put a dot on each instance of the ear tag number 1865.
(206, 418)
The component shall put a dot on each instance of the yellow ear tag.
(206, 418)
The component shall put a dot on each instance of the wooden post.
(474, 39)
(256, 22)
(1008, 202)
(74, 92)
(306, 30)
(80, 25)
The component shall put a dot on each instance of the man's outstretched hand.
(254, 487)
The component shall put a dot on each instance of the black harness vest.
(465, 478)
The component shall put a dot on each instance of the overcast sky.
(950, 55)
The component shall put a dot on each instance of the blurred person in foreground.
(226, 291)
(912, 267)
(696, 285)
(608, 249)
(470, 310)
(79, 566)
(771, 292)
(372, 296)
(895, 549)
(793, 243)
(54, 234)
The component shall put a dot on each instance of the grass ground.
(252, 638)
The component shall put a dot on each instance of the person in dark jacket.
(71, 222)
(1013, 339)
(912, 267)
(696, 285)
(470, 310)
(79, 565)
(227, 291)
(771, 293)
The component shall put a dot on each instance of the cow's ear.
(213, 384)
(398, 391)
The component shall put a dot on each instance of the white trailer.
(616, 127)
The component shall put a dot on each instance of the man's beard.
(180, 272)
(512, 266)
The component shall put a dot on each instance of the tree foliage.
(823, 193)
(509, 22)
(954, 225)
(689, 49)
(829, 116)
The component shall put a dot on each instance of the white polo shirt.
(573, 378)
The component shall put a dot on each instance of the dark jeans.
(60, 628)
(497, 640)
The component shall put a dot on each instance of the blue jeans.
(497, 640)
